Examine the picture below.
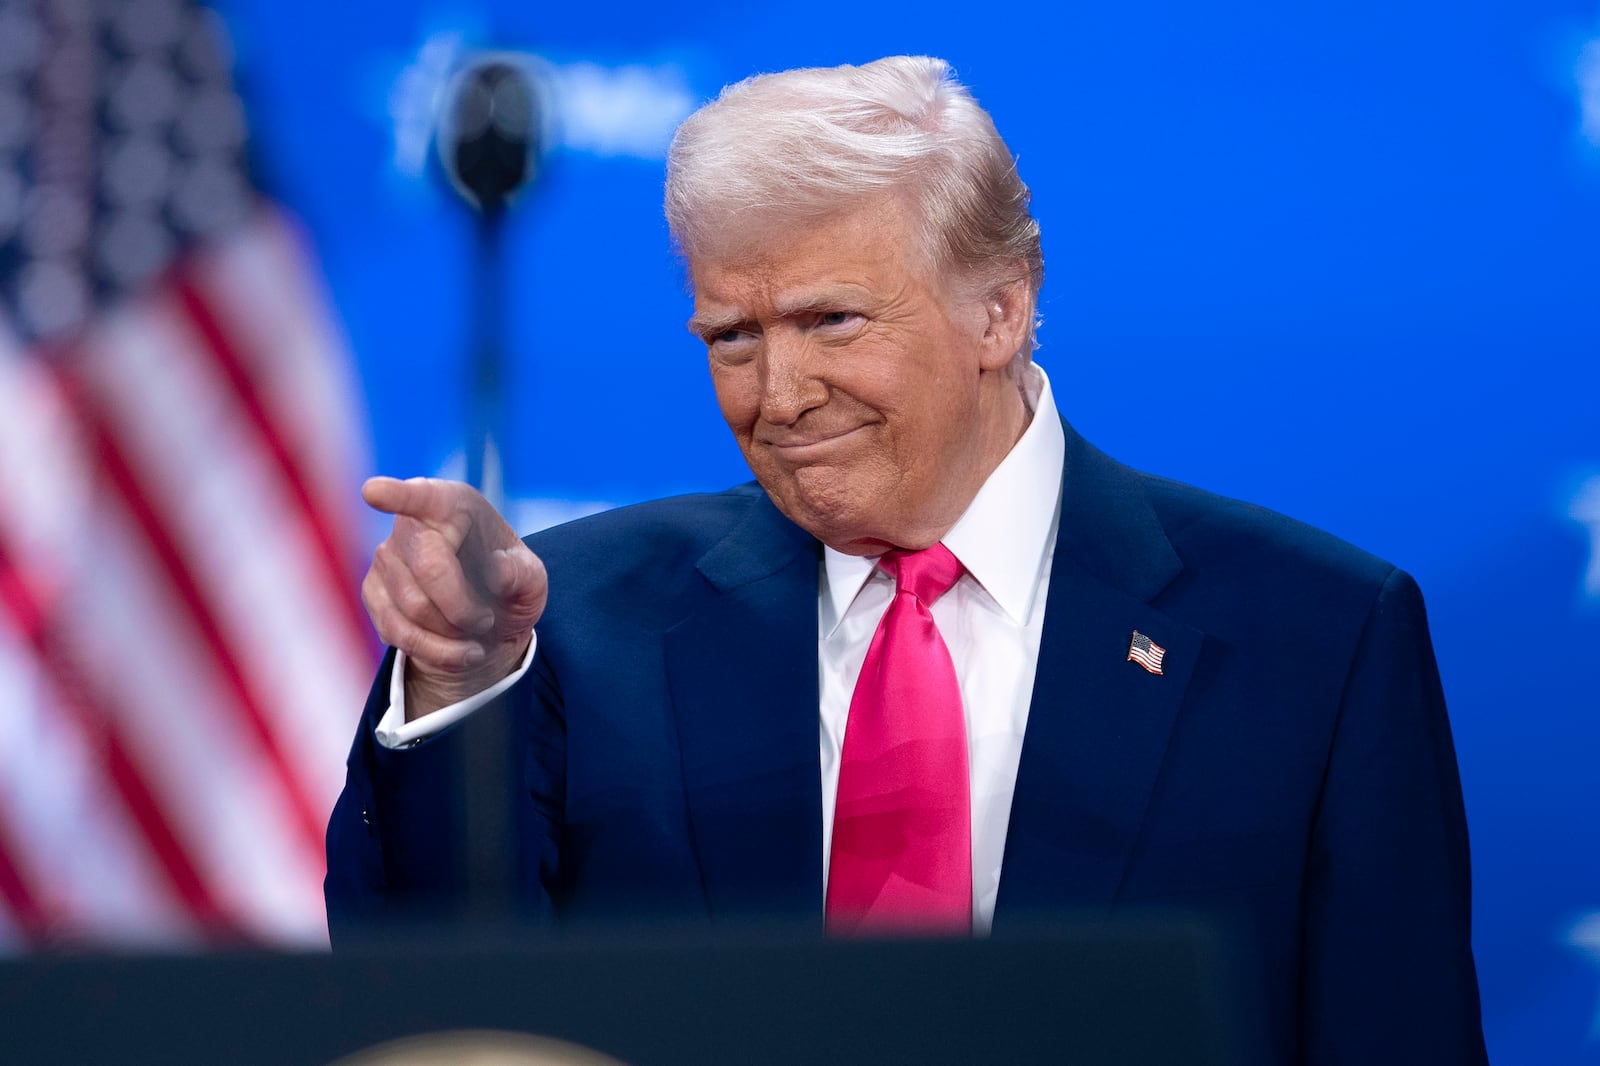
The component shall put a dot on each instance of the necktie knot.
(926, 574)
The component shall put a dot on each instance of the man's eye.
(732, 346)
(731, 337)
(836, 318)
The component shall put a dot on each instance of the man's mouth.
(802, 446)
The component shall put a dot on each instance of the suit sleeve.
(394, 842)
(1389, 974)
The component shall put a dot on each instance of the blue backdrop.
(1339, 259)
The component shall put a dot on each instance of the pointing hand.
(452, 586)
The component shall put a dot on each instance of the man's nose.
(790, 386)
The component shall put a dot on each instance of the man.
(948, 665)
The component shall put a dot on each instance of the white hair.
(807, 144)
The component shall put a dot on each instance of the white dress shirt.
(991, 620)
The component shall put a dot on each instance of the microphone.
(490, 131)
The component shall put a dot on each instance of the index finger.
(427, 499)
(453, 508)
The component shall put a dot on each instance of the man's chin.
(854, 527)
(825, 515)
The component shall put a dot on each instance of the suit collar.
(758, 546)
(1108, 526)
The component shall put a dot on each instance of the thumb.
(516, 578)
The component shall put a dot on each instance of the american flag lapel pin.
(1146, 652)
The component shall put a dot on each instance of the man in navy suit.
(1169, 698)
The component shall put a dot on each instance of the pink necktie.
(902, 825)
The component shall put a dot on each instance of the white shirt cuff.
(394, 731)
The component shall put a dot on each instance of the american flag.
(1146, 652)
(180, 646)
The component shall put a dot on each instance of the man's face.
(870, 398)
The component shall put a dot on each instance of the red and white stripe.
(178, 612)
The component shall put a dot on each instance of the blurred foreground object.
(1155, 991)
(175, 460)
(478, 1048)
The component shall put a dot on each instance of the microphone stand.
(488, 347)
(490, 153)
(489, 836)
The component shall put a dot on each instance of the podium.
(1146, 992)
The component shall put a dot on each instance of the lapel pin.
(1146, 652)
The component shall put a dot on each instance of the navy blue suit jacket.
(1292, 764)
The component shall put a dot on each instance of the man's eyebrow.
(832, 298)
(714, 320)
(711, 322)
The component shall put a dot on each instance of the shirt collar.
(1004, 534)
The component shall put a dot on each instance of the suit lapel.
(1098, 724)
(742, 670)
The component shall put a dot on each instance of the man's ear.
(1010, 314)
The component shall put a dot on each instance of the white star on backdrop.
(1585, 936)
(1586, 509)
(1588, 77)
